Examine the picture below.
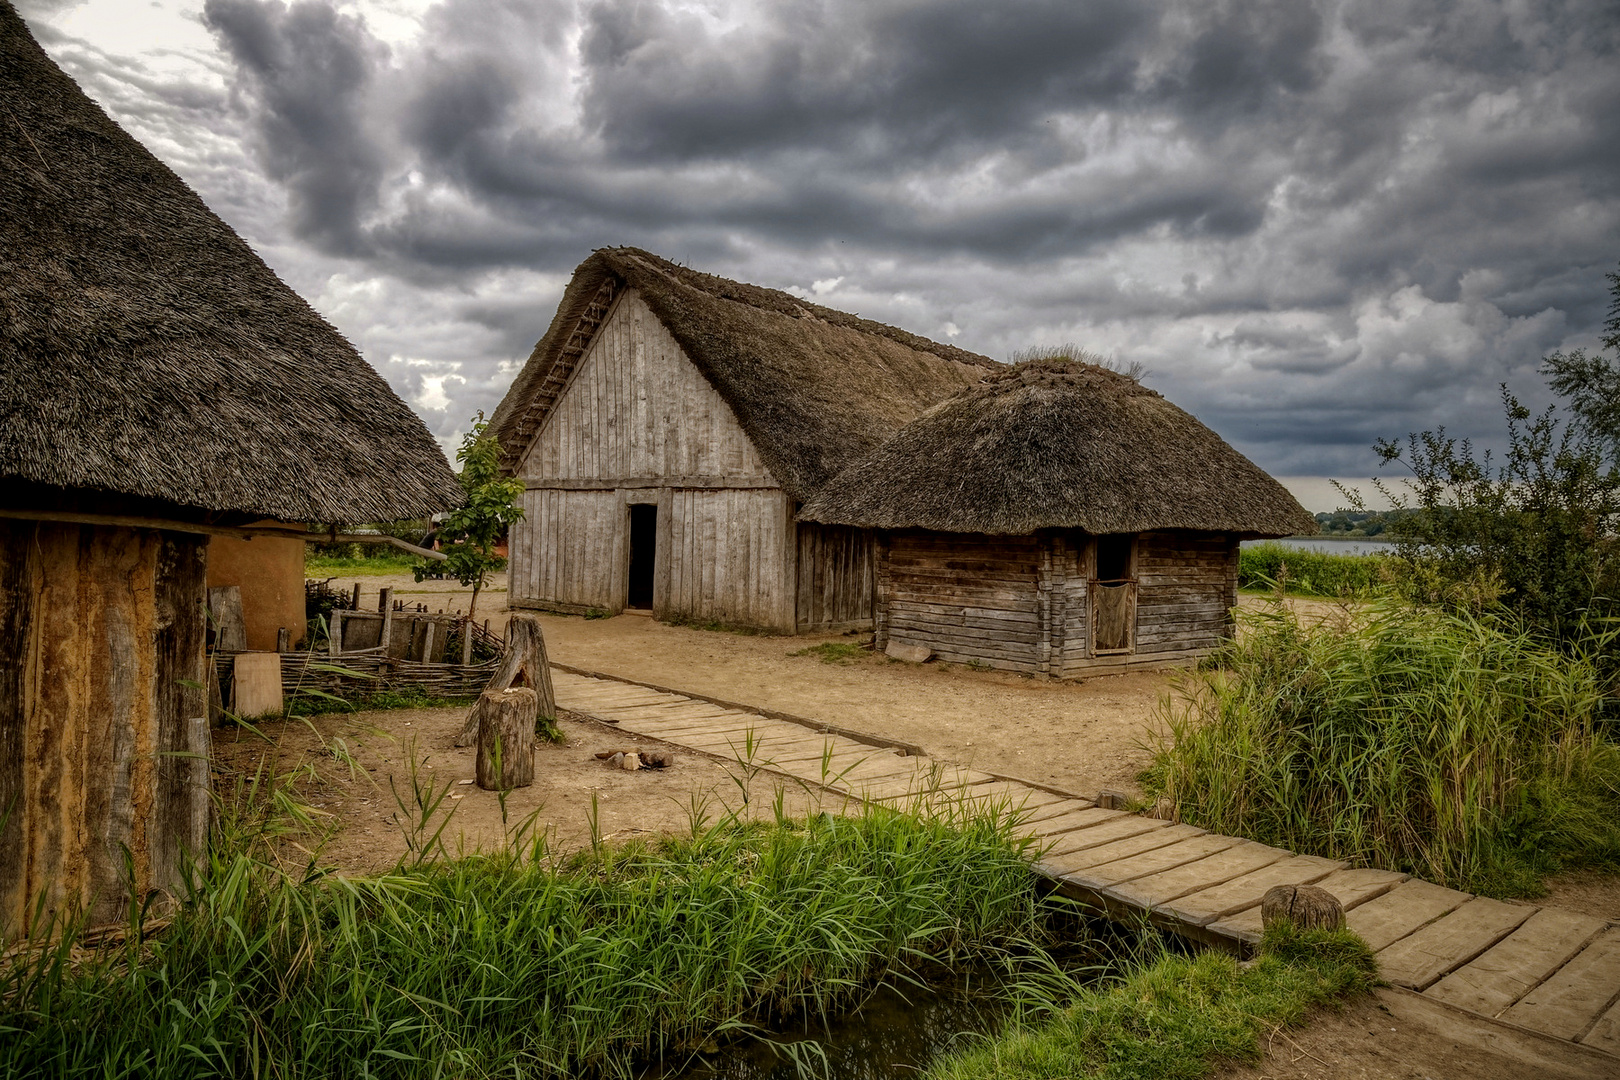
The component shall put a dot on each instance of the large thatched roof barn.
(669, 425)
(1057, 518)
(158, 385)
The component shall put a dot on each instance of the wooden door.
(1113, 595)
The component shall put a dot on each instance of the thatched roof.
(1055, 443)
(815, 389)
(146, 350)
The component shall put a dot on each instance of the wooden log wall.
(1023, 603)
(835, 583)
(1183, 598)
(969, 598)
(103, 720)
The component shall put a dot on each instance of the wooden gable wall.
(638, 423)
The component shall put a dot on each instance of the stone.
(630, 763)
(1110, 799)
(1164, 809)
(911, 654)
(1308, 907)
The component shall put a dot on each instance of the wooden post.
(524, 664)
(384, 595)
(283, 640)
(428, 627)
(334, 633)
(466, 641)
(385, 604)
(506, 738)
(354, 605)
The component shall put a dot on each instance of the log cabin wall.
(103, 723)
(1021, 603)
(638, 423)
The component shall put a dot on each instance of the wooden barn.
(1057, 519)
(670, 424)
(159, 386)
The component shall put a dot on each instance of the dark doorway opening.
(643, 547)
(1114, 556)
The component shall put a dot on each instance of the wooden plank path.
(1548, 970)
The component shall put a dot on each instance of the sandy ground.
(362, 772)
(1396, 1035)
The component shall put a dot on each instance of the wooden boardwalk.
(1548, 970)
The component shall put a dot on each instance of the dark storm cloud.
(303, 74)
(1316, 222)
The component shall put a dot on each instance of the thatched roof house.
(1057, 518)
(158, 385)
(670, 422)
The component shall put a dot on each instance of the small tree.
(469, 535)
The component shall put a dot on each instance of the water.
(1330, 545)
(894, 1033)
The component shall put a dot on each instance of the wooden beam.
(134, 521)
(620, 483)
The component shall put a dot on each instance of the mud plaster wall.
(270, 572)
(103, 729)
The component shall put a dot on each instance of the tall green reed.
(1446, 744)
(1307, 572)
(517, 963)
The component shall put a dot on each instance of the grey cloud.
(303, 72)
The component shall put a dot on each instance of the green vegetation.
(1178, 1017)
(1454, 746)
(835, 652)
(371, 560)
(1358, 523)
(518, 964)
(1264, 567)
(404, 696)
(470, 532)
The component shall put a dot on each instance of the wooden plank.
(1577, 995)
(1067, 804)
(1244, 892)
(225, 611)
(1193, 849)
(1085, 818)
(1239, 859)
(1351, 887)
(1449, 942)
(256, 685)
(1408, 907)
(1120, 828)
(1084, 859)
(1605, 1034)
(1506, 972)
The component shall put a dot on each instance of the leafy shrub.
(1449, 745)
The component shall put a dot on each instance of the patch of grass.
(1313, 573)
(518, 963)
(374, 700)
(835, 652)
(1453, 746)
(380, 560)
(1176, 1018)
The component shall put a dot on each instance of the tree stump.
(506, 736)
(1306, 906)
(524, 664)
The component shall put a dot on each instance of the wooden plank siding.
(639, 423)
(1022, 603)
(103, 723)
(835, 584)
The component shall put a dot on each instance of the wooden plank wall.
(637, 408)
(570, 548)
(728, 556)
(1184, 595)
(835, 583)
(103, 723)
(967, 597)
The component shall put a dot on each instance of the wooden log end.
(1308, 907)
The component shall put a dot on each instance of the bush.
(1312, 573)
(1453, 746)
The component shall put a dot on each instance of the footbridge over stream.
(1544, 969)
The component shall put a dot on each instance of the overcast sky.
(1315, 224)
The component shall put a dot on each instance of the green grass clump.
(835, 652)
(515, 965)
(1179, 1016)
(1449, 745)
(378, 560)
(1313, 573)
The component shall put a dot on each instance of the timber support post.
(506, 738)
(525, 664)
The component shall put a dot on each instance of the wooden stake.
(525, 664)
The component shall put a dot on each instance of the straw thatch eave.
(146, 350)
(1058, 444)
(813, 388)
